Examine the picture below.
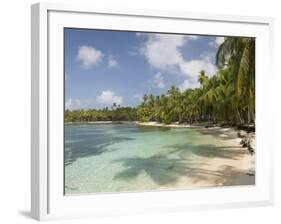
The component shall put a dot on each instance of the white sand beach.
(219, 171)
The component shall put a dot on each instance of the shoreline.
(230, 171)
(156, 124)
(99, 122)
(227, 131)
(89, 122)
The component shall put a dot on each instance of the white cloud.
(193, 67)
(108, 97)
(158, 80)
(193, 37)
(112, 62)
(163, 52)
(218, 41)
(89, 56)
(74, 104)
(188, 84)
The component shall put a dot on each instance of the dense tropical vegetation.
(115, 113)
(226, 97)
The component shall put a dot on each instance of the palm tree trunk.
(254, 118)
(239, 117)
(249, 117)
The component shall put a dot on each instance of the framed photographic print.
(146, 111)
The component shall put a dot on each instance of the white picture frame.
(47, 199)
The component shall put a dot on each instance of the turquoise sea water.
(128, 157)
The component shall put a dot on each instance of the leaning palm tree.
(239, 54)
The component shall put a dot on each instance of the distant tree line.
(115, 113)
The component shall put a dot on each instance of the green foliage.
(116, 113)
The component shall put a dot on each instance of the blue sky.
(102, 67)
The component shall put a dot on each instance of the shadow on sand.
(161, 169)
(231, 177)
(208, 150)
(218, 132)
(164, 170)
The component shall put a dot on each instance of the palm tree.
(239, 55)
(202, 78)
(174, 104)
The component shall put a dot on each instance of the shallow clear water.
(128, 157)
